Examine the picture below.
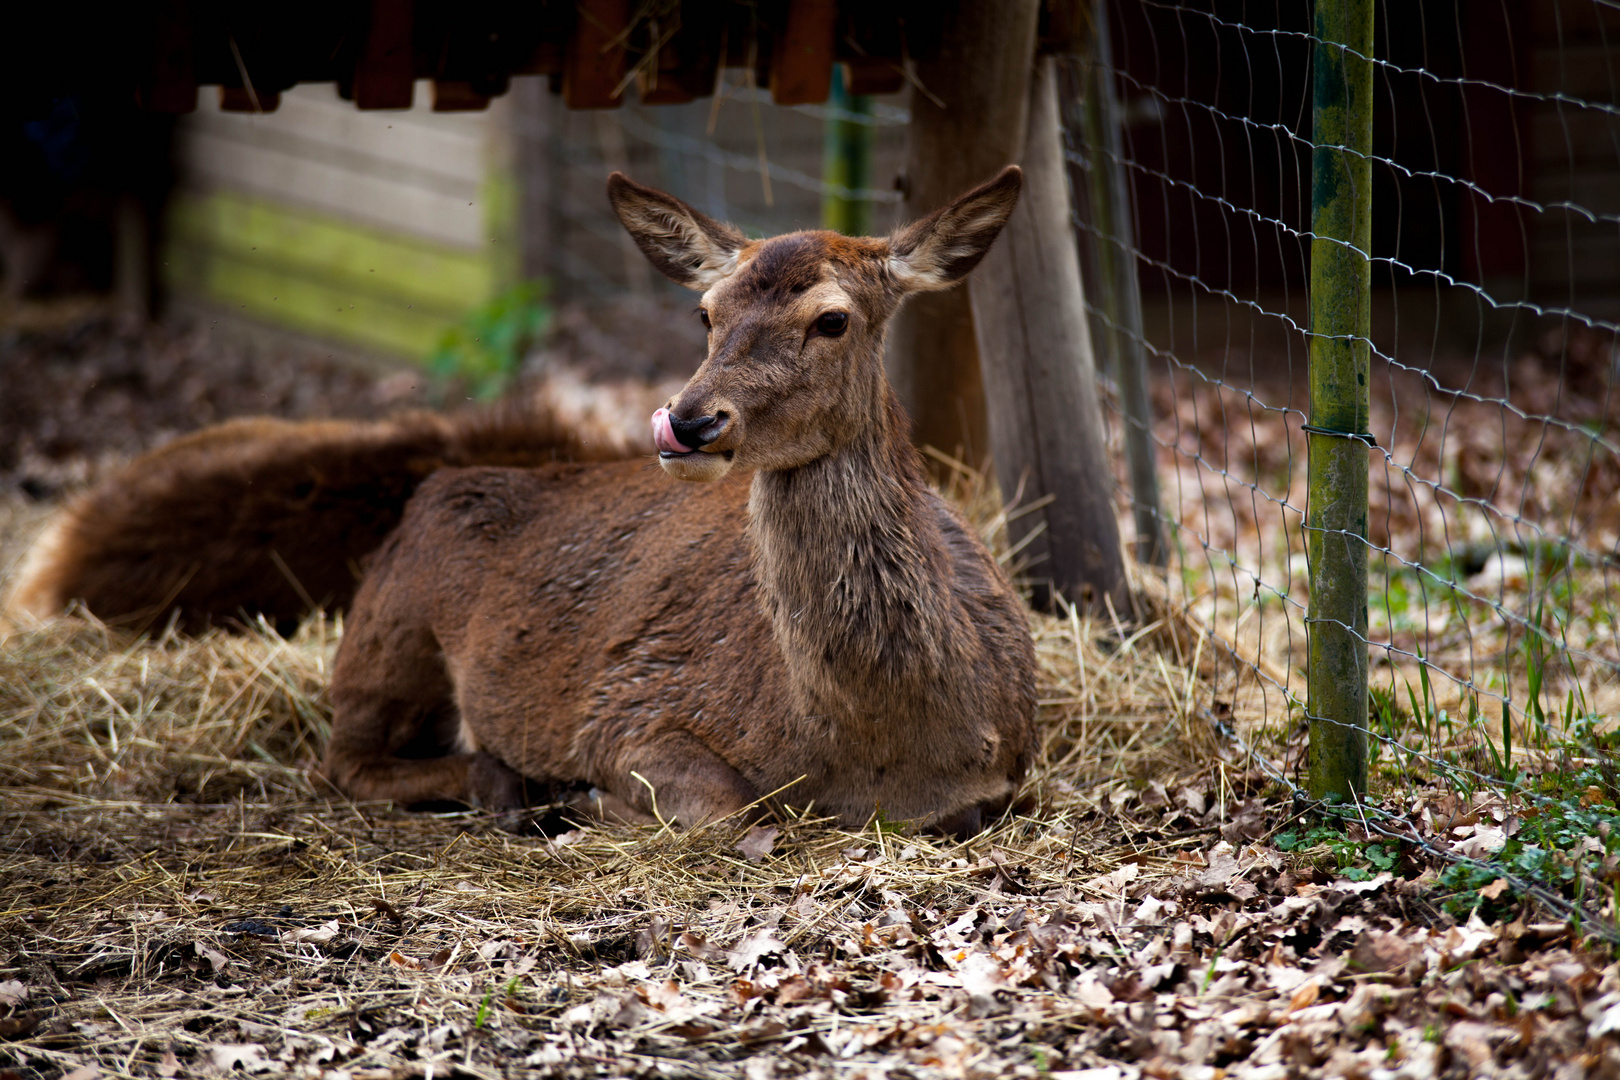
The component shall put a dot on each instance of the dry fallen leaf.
(1223, 866)
(1193, 799)
(1608, 1019)
(1114, 883)
(250, 1057)
(20, 1026)
(759, 842)
(1305, 996)
(983, 980)
(1248, 822)
(400, 960)
(216, 959)
(1484, 842)
(747, 952)
(1375, 952)
(1472, 1041)
(318, 935)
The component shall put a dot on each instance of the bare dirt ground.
(182, 898)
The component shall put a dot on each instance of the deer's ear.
(939, 250)
(689, 248)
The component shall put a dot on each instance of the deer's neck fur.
(856, 574)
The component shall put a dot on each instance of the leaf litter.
(183, 898)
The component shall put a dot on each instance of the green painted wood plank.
(319, 275)
(335, 250)
(273, 294)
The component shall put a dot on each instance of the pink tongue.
(664, 435)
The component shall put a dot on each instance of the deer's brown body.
(819, 619)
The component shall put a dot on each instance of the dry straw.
(165, 844)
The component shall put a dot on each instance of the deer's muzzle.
(680, 444)
(665, 437)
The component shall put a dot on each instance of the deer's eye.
(703, 314)
(832, 323)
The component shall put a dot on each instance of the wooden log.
(688, 60)
(384, 74)
(802, 58)
(171, 84)
(1034, 340)
(873, 75)
(1336, 478)
(243, 99)
(458, 95)
(595, 64)
(967, 121)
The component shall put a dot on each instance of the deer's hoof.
(494, 785)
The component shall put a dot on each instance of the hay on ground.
(179, 880)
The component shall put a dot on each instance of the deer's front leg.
(674, 778)
(396, 732)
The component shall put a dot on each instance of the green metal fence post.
(1341, 316)
(847, 159)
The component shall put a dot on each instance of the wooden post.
(1034, 340)
(967, 121)
(1341, 322)
(594, 65)
(801, 65)
(132, 257)
(385, 72)
(1115, 247)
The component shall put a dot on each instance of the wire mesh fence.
(1491, 527)
(736, 156)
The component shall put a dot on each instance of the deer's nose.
(698, 433)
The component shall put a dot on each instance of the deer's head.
(796, 323)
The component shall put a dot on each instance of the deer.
(800, 617)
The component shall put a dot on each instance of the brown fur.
(261, 516)
(821, 621)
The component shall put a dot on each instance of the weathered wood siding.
(377, 228)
